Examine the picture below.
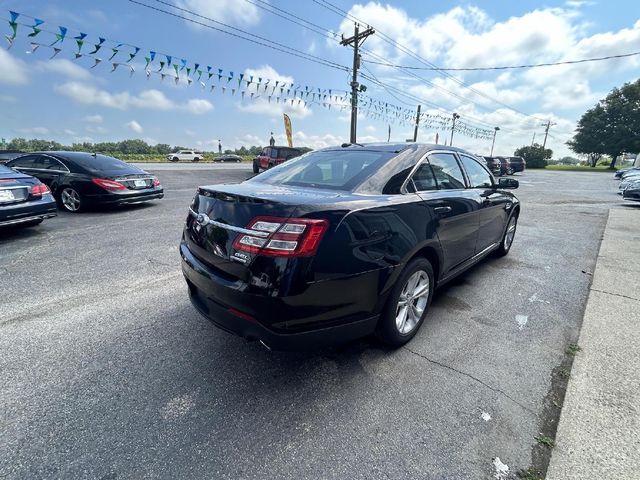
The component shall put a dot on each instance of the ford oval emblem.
(202, 219)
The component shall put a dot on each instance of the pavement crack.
(615, 294)
(468, 375)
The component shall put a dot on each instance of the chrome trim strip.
(27, 219)
(226, 226)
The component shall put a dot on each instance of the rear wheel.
(196, 159)
(408, 304)
(70, 199)
(507, 238)
(510, 171)
(175, 159)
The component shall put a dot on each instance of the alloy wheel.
(510, 234)
(70, 199)
(412, 302)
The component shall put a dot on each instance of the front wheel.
(256, 169)
(507, 238)
(70, 200)
(175, 159)
(408, 304)
(196, 159)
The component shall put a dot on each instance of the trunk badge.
(202, 219)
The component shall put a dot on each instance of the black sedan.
(79, 180)
(24, 200)
(342, 242)
(228, 158)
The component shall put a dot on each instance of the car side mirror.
(508, 183)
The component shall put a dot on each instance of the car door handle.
(442, 209)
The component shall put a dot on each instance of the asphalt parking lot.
(107, 372)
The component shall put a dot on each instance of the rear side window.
(424, 179)
(479, 177)
(53, 164)
(447, 171)
(24, 162)
(333, 169)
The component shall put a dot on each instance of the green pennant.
(115, 52)
(175, 67)
(188, 71)
(35, 32)
(199, 74)
(148, 60)
(131, 56)
(14, 27)
(161, 65)
(80, 43)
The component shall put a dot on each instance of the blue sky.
(65, 100)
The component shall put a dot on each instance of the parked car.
(511, 165)
(494, 165)
(228, 158)
(632, 192)
(24, 200)
(190, 155)
(630, 173)
(272, 156)
(6, 155)
(79, 179)
(626, 181)
(342, 242)
(622, 171)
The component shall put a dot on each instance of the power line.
(509, 67)
(261, 40)
(340, 12)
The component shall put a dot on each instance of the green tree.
(535, 155)
(612, 127)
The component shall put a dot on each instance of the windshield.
(332, 169)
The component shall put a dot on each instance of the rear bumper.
(128, 198)
(265, 318)
(28, 211)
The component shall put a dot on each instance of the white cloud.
(267, 71)
(134, 126)
(227, 11)
(70, 132)
(64, 67)
(93, 119)
(198, 106)
(34, 130)
(8, 99)
(152, 99)
(13, 70)
(95, 129)
(189, 133)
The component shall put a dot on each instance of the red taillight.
(293, 237)
(39, 190)
(156, 182)
(108, 184)
(244, 316)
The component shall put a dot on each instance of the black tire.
(256, 169)
(510, 171)
(387, 329)
(196, 159)
(505, 243)
(175, 159)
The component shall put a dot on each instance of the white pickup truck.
(190, 155)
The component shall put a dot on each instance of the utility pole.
(357, 40)
(453, 127)
(533, 139)
(495, 130)
(415, 131)
(546, 131)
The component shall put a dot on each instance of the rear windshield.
(332, 169)
(100, 163)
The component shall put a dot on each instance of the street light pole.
(453, 127)
(495, 130)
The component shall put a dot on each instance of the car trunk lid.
(220, 214)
